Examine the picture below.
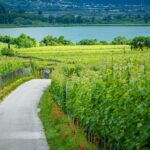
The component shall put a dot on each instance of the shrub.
(53, 41)
(7, 52)
(24, 41)
(104, 43)
(140, 43)
(120, 40)
(88, 42)
(8, 39)
(147, 42)
(63, 41)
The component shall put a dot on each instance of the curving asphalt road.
(20, 127)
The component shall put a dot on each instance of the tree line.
(25, 41)
(33, 19)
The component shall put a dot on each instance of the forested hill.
(74, 11)
(113, 2)
(37, 4)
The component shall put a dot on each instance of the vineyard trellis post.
(66, 97)
(66, 90)
(1, 81)
(30, 61)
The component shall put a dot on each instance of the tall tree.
(2, 9)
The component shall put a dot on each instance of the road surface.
(20, 127)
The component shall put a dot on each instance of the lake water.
(105, 33)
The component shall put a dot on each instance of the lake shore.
(66, 25)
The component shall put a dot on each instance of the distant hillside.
(114, 2)
(39, 4)
(33, 12)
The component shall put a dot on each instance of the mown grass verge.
(11, 85)
(60, 132)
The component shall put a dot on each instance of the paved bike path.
(20, 126)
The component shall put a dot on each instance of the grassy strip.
(10, 86)
(60, 131)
